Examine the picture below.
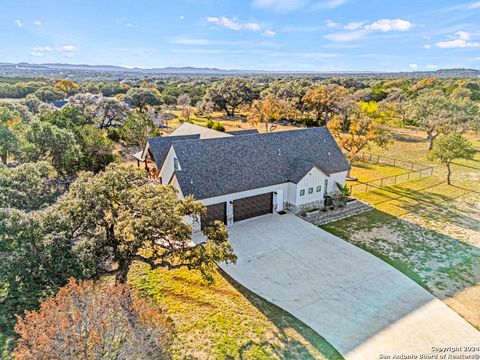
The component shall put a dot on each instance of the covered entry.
(214, 212)
(252, 206)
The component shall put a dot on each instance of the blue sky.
(313, 35)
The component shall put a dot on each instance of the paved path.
(361, 305)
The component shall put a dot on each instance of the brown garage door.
(252, 206)
(215, 212)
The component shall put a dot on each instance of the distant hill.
(82, 71)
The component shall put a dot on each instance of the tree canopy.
(69, 87)
(28, 186)
(451, 147)
(89, 320)
(142, 97)
(118, 216)
(230, 93)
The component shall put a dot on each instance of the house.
(239, 175)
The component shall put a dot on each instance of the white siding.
(313, 179)
(336, 178)
(176, 185)
(168, 166)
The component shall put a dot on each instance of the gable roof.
(159, 146)
(215, 167)
(204, 132)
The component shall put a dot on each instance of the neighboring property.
(240, 175)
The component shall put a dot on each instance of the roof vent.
(329, 153)
(279, 152)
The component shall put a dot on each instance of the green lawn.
(366, 171)
(225, 320)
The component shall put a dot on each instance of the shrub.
(210, 124)
(218, 126)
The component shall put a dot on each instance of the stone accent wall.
(314, 204)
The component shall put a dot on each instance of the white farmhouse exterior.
(239, 176)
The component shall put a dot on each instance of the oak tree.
(451, 147)
(118, 216)
(230, 93)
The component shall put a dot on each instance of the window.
(319, 188)
(310, 190)
(176, 165)
(302, 192)
(325, 187)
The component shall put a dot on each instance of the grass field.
(225, 320)
(425, 228)
(364, 171)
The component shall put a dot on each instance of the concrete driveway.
(361, 305)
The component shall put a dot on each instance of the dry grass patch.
(425, 228)
(366, 171)
(225, 320)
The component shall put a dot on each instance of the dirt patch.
(442, 251)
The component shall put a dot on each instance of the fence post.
(396, 179)
(394, 163)
(381, 183)
(408, 176)
(412, 166)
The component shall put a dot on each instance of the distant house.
(243, 174)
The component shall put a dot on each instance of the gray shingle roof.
(242, 132)
(214, 167)
(159, 146)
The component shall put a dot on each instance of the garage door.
(215, 212)
(252, 206)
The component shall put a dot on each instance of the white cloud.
(66, 50)
(461, 39)
(432, 67)
(37, 23)
(234, 24)
(358, 30)
(331, 23)
(472, 6)
(329, 4)
(18, 23)
(455, 44)
(386, 25)
(413, 66)
(346, 36)
(280, 5)
(269, 33)
(42, 49)
(353, 26)
(463, 35)
(182, 17)
(427, 46)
